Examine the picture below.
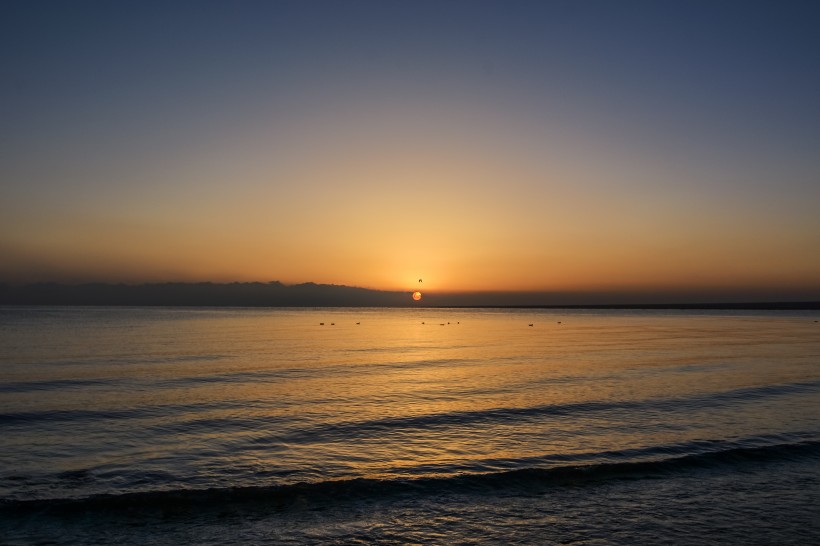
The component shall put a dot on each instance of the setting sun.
(417, 296)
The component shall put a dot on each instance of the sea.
(408, 426)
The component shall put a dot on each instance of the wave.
(492, 415)
(528, 479)
(276, 374)
(517, 415)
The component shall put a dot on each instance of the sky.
(579, 146)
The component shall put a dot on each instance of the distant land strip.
(277, 294)
(244, 294)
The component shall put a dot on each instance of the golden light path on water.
(490, 416)
(409, 392)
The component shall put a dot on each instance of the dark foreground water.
(213, 426)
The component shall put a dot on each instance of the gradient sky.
(538, 146)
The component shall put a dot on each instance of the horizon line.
(311, 294)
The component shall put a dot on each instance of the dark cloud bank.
(276, 294)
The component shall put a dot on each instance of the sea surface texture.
(396, 426)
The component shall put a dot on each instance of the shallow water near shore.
(161, 425)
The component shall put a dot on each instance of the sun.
(417, 296)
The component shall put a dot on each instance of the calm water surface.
(408, 425)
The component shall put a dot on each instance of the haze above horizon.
(552, 147)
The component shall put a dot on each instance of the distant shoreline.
(751, 306)
(785, 306)
(276, 294)
(742, 306)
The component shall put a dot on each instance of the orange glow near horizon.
(473, 248)
(485, 217)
